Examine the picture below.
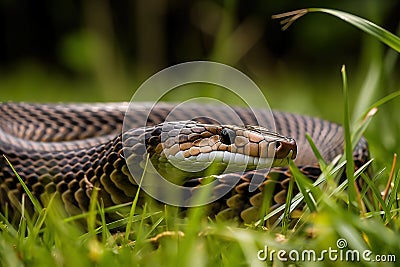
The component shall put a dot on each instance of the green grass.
(334, 210)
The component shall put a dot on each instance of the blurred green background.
(103, 50)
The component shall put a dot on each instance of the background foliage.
(102, 50)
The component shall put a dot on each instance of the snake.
(72, 148)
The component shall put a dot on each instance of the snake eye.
(227, 136)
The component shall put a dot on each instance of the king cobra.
(72, 148)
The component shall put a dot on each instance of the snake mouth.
(284, 162)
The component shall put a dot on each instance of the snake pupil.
(228, 136)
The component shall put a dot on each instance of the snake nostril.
(285, 149)
(278, 145)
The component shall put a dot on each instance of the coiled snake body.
(71, 148)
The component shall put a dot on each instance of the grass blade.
(304, 186)
(32, 198)
(393, 194)
(367, 26)
(286, 212)
(134, 203)
(322, 163)
(348, 148)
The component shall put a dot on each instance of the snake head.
(193, 145)
(270, 144)
(285, 147)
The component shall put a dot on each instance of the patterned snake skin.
(66, 148)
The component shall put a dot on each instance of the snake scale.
(71, 148)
